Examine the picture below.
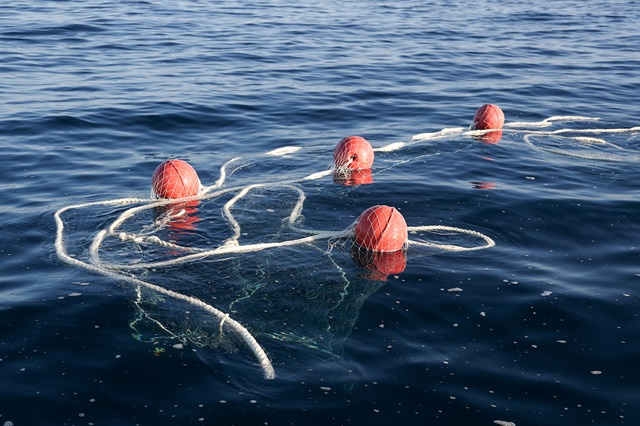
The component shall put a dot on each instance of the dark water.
(543, 328)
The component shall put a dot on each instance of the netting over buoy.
(353, 153)
(488, 116)
(174, 179)
(381, 228)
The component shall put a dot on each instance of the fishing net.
(239, 262)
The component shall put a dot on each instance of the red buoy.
(488, 116)
(353, 153)
(175, 179)
(381, 228)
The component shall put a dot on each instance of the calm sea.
(542, 329)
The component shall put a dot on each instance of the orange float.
(381, 228)
(175, 179)
(353, 153)
(488, 116)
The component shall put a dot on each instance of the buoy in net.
(353, 153)
(175, 179)
(381, 228)
(488, 116)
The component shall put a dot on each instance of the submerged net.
(239, 259)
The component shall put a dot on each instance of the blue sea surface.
(541, 329)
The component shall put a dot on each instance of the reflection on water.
(491, 138)
(353, 177)
(379, 264)
(180, 217)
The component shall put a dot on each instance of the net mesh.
(239, 259)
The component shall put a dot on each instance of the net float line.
(206, 192)
(529, 129)
(366, 237)
(110, 270)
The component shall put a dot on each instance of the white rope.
(549, 121)
(628, 157)
(269, 372)
(522, 127)
(449, 247)
(233, 245)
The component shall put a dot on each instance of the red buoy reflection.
(490, 138)
(180, 217)
(353, 177)
(379, 264)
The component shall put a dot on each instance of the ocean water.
(541, 329)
